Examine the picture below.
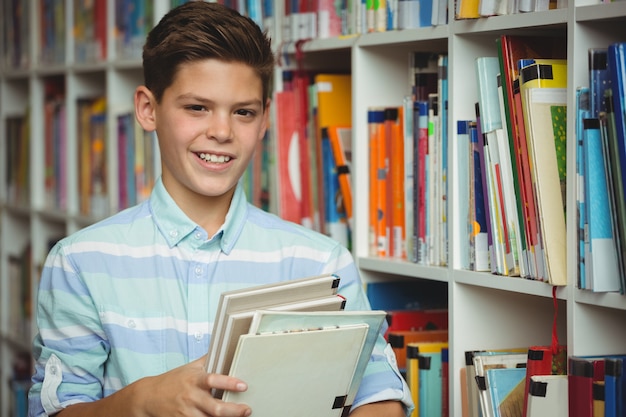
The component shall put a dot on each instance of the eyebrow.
(191, 96)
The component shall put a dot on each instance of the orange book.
(372, 116)
(380, 184)
(395, 208)
(341, 144)
(400, 339)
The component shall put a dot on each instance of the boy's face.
(209, 123)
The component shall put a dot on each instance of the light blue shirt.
(136, 294)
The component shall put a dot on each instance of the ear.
(145, 104)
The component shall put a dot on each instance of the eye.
(196, 107)
(245, 112)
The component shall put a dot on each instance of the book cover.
(547, 396)
(615, 386)
(582, 371)
(483, 361)
(305, 373)
(417, 319)
(276, 321)
(445, 381)
(506, 390)
(238, 324)
(602, 270)
(288, 160)
(479, 229)
(264, 296)
(430, 379)
(471, 387)
(538, 103)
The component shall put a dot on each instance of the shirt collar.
(175, 226)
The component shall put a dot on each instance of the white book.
(239, 324)
(547, 396)
(264, 297)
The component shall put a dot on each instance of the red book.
(287, 139)
(421, 319)
(583, 371)
(445, 380)
(543, 361)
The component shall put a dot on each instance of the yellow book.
(543, 90)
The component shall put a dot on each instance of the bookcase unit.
(486, 311)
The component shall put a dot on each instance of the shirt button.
(198, 336)
(173, 233)
(131, 324)
(198, 235)
(53, 370)
(198, 270)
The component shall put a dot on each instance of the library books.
(263, 297)
(304, 363)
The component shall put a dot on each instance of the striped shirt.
(135, 295)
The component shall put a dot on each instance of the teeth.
(214, 158)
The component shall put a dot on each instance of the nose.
(219, 126)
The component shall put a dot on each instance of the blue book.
(582, 112)
(599, 79)
(479, 221)
(602, 264)
(430, 378)
(506, 390)
(614, 387)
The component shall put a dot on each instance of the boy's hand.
(181, 392)
(186, 391)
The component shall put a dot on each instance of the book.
(463, 198)
(548, 396)
(506, 390)
(286, 376)
(546, 173)
(417, 319)
(543, 360)
(617, 70)
(615, 386)
(239, 323)
(430, 378)
(334, 215)
(582, 372)
(331, 366)
(288, 160)
(471, 387)
(616, 193)
(602, 268)
(599, 79)
(263, 297)
(445, 381)
(399, 340)
(483, 361)
(395, 182)
(341, 143)
(582, 112)
(413, 376)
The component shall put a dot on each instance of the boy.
(127, 305)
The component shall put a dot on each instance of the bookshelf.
(486, 311)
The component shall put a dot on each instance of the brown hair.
(199, 30)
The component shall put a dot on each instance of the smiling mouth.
(207, 157)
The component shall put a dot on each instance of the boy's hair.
(199, 30)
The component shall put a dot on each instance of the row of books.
(474, 9)
(513, 157)
(313, 142)
(601, 171)
(325, 18)
(542, 381)
(408, 169)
